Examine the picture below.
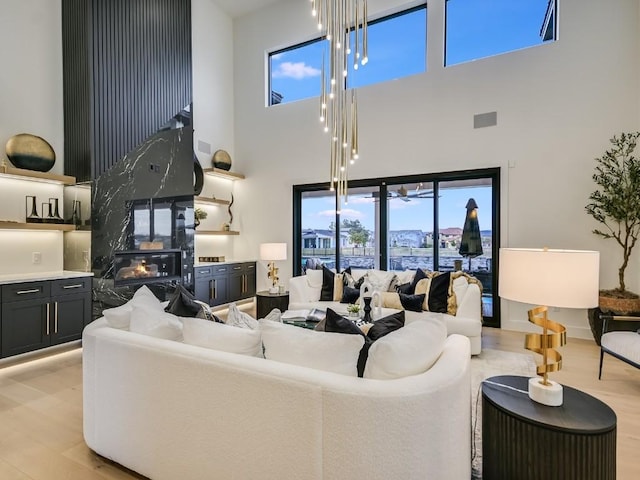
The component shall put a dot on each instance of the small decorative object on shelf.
(56, 212)
(222, 160)
(30, 152)
(199, 214)
(219, 258)
(229, 210)
(47, 213)
(76, 217)
(225, 227)
(32, 217)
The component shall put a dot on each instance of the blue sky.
(397, 47)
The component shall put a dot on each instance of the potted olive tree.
(616, 206)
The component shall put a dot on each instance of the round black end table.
(524, 439)
(268, 301)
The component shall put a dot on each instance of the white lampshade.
(273, 251)
(552, 278)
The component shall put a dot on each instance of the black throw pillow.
(386, 325)
(182, 303)
(439, 293)
(350, 294)
(326, 294)
(405, 288)
(420, 274)
(336, 323)
(413, 303)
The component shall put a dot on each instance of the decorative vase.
(30, 152)
(76, 216)
(55, 210)
(33, 216)
(367, 309)
(222, 160)
(47, 214)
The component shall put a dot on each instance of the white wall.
(31, 79)
(558, 104)
(30, 102)
(213, 111)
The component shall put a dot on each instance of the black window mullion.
(338, 239)
(436, 225)
(384, 227)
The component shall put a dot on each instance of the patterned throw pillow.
(237, 318)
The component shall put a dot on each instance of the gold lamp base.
(541, 389)
(273, 275)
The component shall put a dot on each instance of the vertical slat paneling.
(76, 79)
(139, 58)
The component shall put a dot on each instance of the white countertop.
(40, 276)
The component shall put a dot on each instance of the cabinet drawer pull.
(76, 285)
(55, 319)
(203, 271)
(237, 268)
(24, 292)
(48, 311)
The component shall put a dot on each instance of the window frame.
(371, 22)
(381, 183)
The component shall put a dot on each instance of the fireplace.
(136, 267)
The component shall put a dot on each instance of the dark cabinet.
(220, 284)
(242, 281)
(35, 315)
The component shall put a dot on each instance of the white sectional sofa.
(169, 410)
(304, 293)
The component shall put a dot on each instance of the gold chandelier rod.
(338, 107)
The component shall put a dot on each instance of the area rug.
(488, 364)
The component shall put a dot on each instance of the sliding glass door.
(444, 222)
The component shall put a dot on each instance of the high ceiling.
(237, 8)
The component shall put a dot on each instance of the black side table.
(268, 301)
(524, 439)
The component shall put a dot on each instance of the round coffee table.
(524, 439)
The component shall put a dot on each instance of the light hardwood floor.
(41, 411)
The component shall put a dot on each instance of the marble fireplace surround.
(161, 168)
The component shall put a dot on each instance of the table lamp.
(551, 278)
(271, 252)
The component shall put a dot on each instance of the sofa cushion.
(331, 352)
(382, 281)
(238, 318)
(120, 317)
(336, 323)
(155, 322)
(410, 350)
(182, 303)
(405, 276)
(412, 303)
(314, 279)
(420, 274)
(328, 284)
(439, 292)
(350, 294)
(218, 336)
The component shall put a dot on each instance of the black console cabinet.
(229, 282)
(35, 315)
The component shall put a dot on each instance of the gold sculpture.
(273, 273)
(545, 343)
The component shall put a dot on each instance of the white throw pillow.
(155, 323)
(237, 318)
(410, 350)
(405, 277)
(331, 352)
(218, 336)
(120, 317)
(380, 280)
(274, 315)
(314, 278)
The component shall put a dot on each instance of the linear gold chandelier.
(339, 107)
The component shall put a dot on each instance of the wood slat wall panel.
(134, 58)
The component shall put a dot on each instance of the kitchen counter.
(40, 276)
